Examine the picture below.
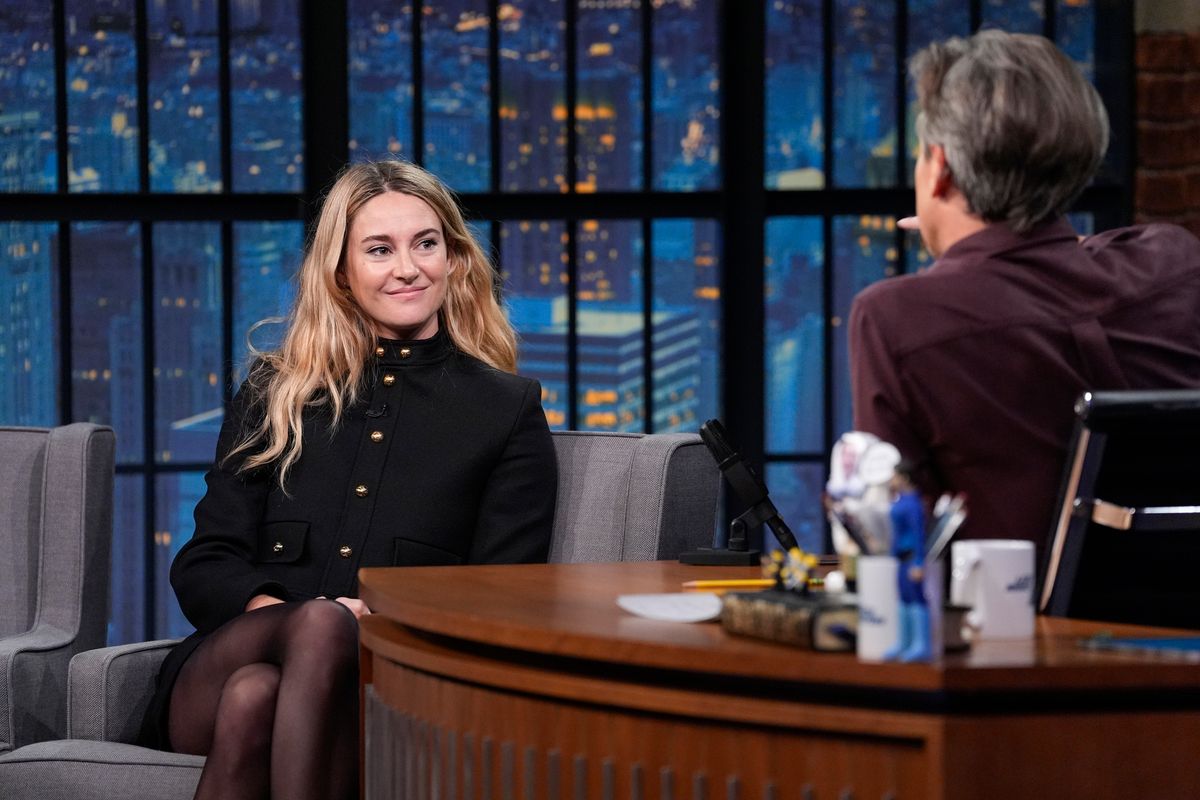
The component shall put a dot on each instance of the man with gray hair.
(971, 368)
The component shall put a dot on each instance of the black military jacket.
(445, 460)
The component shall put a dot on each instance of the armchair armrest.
(109, 690)
(32, 693)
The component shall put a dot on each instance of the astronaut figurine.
(908, 546)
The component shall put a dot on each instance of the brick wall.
(1168, 125)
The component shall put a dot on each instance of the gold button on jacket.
(376, 436)
(360, 490)
(344, 551)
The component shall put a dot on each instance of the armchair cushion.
(76, 769)
(110, 688)
(108, 691)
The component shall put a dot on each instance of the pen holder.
(878, 606)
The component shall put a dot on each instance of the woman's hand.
(356, 606)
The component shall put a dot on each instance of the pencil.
(733, 583)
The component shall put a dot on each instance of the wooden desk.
(529, 682)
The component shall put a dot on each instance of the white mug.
(994, 577)
(878, 605)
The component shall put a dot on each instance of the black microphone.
(751, 490)
(749, 487)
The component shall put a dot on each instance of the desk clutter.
(887, 600)
(827, 623)
(833, 620)
(826, 618)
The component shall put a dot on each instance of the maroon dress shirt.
(972, 367)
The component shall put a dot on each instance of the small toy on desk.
(790, 570)
(908, 546)
(874, 507)
(857, 497)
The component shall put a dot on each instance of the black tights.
(271, 698)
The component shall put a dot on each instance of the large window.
(839, 150)
(682, 197)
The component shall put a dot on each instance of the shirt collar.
(999, 238)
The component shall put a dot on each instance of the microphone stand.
(751, 490)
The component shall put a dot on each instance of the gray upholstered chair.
(109, 690)
(621, 497)
(632, 497)
(56, 490)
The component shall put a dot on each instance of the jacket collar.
(413, 352)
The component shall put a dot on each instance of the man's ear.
(943, 180)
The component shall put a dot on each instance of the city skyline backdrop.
(153, 306)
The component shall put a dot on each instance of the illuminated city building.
(28, 157)
(186, 312)
(29, 325)
(102, 96)
(266, 258)
(611, 353)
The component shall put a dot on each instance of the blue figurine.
(908, 545)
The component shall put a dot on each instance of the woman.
(387, 430)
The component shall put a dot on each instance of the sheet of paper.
(673, 607)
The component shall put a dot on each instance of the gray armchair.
(632, 497)
(109, 690)
(621, 497)
(56, 488)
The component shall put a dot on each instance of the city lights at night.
(136, 315)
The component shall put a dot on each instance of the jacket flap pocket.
(411, 553)
(282, 542)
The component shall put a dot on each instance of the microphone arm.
(751, 490)
(748, 486)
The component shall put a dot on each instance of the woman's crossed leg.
(271, 698)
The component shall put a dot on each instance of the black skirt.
(155, 730)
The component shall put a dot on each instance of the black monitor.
(1125, 546)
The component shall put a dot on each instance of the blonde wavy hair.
(330, 339)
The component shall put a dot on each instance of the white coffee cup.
(994, 577)
(878, 606)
